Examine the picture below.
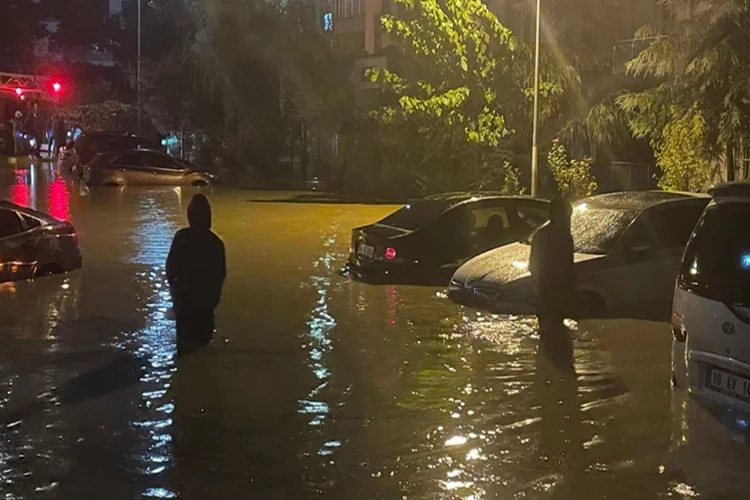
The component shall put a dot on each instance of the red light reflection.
(59, 200)
(21, 190)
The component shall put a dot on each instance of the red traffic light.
(19, 91)
(57, 87)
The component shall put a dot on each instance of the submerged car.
(627, 247)
(425, 241)
(143, 167)
(33, 244)
(90, 144)
(711, 310)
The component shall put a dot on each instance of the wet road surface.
(317, 386)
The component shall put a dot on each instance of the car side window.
(664, 229)
(489, 217)
(10, 223)
(130, 159)
(31, 222)
(162, 161)
(531, 215)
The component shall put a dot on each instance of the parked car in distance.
(425, 241)
(143, 167)
(33, 244)
(90, 144)
(711, 310)
(627, 246)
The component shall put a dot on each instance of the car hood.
(502, 265)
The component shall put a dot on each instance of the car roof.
(116, 152)
(735, 190)
(100, 133)
(461, 196)
(29, 211)
(638, 201)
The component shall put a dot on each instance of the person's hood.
(199, 212)
(501, 265)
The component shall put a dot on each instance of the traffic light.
(19, 91)
(56, 87)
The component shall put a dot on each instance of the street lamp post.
(535, 125)
(138, 69)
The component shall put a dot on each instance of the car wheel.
(589, 305)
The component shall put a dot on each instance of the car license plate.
(366, 251)
(728, 383)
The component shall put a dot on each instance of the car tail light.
(679, 330)
(390, 253)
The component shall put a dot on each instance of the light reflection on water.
(316, 341)
(155, 344)
(376, 391)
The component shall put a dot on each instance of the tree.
(681, 156)
(20, 27)
(698, 66)
(467, 94)
(576, 52)
(573, 177)
(81, 23)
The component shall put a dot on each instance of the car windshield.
(716, 264)
(595, 230)
(415, 215)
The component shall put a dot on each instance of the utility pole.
(535, 126)
(138, 68)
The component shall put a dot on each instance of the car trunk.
(369, 242)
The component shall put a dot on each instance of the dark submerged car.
(33, 244)
(143, 167)
(426, 241)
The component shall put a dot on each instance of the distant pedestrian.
(196, 269)
(551, 265)
(58, 133)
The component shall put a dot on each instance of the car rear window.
(716, 263)
(415, 215)
(595, 230)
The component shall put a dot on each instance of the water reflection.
(34, 448)
(317, 343)
(59, 199)
(556, 388)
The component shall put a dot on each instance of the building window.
(348, 8)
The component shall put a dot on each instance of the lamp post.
(138, 69)
(535, 125)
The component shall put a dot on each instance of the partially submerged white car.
(711, 311)
(628, 247)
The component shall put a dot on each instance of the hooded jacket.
(196, 265)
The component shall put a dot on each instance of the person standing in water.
(551, 265)
(196, 269)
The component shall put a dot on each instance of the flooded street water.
(317, 386)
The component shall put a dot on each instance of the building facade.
(356, 23)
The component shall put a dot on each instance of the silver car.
(627, 246)
(143, 167)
